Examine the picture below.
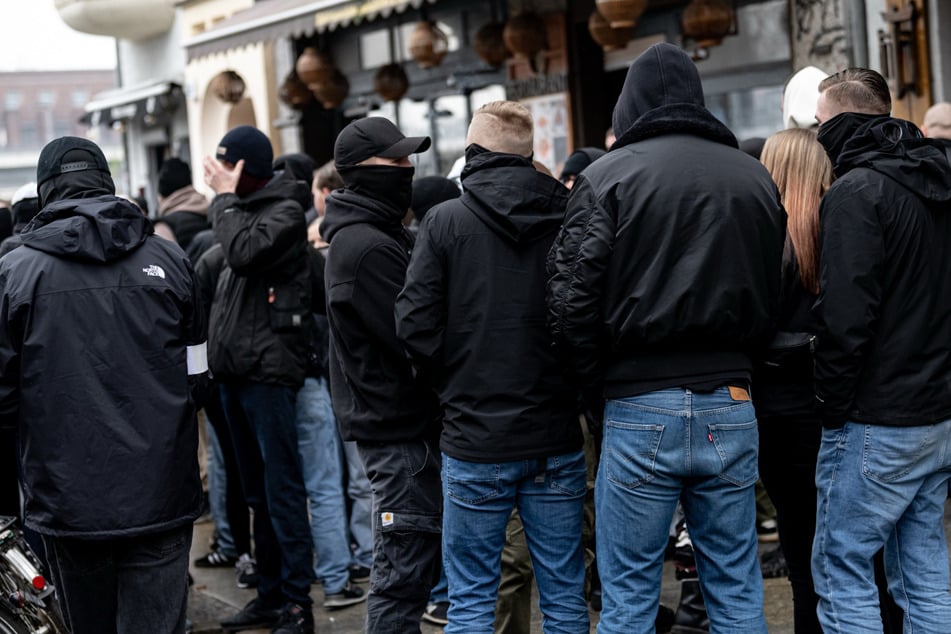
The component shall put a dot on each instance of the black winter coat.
(95, 316)
(260, 316)
(376, 397)
(472, 314)
(667, 270)
(884, 307)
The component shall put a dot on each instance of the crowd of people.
(454, 391)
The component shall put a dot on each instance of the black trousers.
(407, 526)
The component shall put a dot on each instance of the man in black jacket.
(258, 354)
(665, 277)
(472, 316)
(883, 361)
(377, 400)
(101, 335)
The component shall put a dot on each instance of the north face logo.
(154, 270)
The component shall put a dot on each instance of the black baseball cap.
(375, 136)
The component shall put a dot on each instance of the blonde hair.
(803, 173)
(503, 126)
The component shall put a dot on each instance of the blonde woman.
(790, 430)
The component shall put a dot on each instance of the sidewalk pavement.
(215, 596)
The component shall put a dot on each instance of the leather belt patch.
(739, 393)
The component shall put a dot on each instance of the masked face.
(835, 132)
(390, 184)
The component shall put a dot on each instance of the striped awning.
(268, 20)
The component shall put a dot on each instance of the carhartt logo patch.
(386, 519)
(154, 270)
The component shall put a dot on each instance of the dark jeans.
(407, 520)
(261, 418)
(133, 585)
(788, 448)
(236, 507)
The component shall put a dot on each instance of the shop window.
(375, 48)
(749, 113)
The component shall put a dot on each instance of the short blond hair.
(503, 126)
(937, 123)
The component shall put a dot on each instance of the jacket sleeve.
(207, 271)
(378, 280)
(421, 305)
(577, 268)
(10, 342)
(850, 273)
(257, 241)
(195, 333)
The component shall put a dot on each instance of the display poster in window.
(552, 129)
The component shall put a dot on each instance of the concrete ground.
(215, 596)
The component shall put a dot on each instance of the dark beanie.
(173, 175)
(429, 191)
(251, 145)
(67, 155)
(578, 160)
(299, 165)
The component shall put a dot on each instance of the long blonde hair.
(803, 173)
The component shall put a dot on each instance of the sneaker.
(437, 613)
(295, 619)
(359, 574)
(247, 572)
(215, 559)
(253, 616)
(349, 595)
(767, 531)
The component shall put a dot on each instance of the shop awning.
(273, 19)
(127, 102)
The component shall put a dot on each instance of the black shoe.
(664, 619)
(359, 574)
(253, 616)
(295, 619)
(215, 559)
(246, 572)
(773, 564)
(691, 616)
(349, 595)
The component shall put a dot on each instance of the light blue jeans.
(477, 501)
(319, 447)
(217, 493)
(699, 449)
(882, 487)
(361, 505)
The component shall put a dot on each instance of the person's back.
(665, 278)
(97, 314)
(883, 362)
(472, 317)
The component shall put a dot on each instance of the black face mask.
(389, 184)
(834, 133)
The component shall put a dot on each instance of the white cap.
(800, 98)
(26, 191)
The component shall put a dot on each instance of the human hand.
(222, 177)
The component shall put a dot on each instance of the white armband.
(197, 358)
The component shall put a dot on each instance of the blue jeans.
(361, 505)
(129, 585)
(319, 448)
(261, 419)
(882, 487)
(217, 495)
(478, 499)
(697, 448)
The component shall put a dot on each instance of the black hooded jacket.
(884, 349)
(95, 316)
(264, 292)
(472, 314)
(376, 397)
(667, 270)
